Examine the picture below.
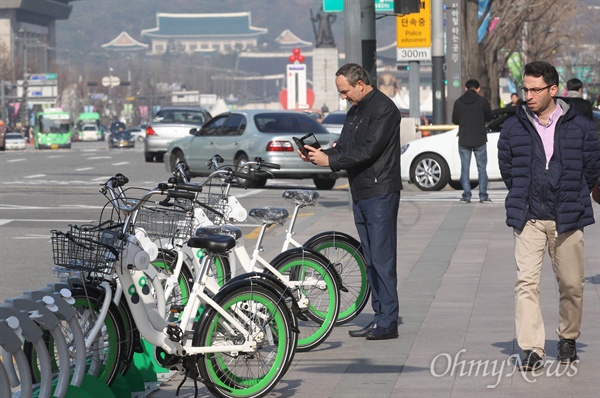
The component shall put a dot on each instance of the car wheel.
(149, 157)
(324, 183)
(457, 185)
(257, 183)
(430, 172)
(140, 139)
(176, 157)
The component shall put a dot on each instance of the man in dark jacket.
(549, 158)
(471, 111)
(575, 97)
(369, 151)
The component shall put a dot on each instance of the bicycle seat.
(228, 230)
(270, 215)
(301, 197)
(213, 243)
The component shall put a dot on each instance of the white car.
(334, 121)
(15, 141)
(89, 132)
(433, 162)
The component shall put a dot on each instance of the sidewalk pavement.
(456, 276)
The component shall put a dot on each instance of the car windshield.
(334, 118)
(89, 128)
(14, 136)
(287, 123)
(179, 116)
(122, 135)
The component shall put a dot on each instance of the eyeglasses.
(534, 91)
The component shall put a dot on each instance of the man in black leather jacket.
(369, 151)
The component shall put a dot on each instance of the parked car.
(121, 139)
(14, 140)
(334, 121)
(139, 133)
(242, 135)
(89, 132)
(169, 124)
(433, 162)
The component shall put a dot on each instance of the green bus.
(84, 130)
(53, 129)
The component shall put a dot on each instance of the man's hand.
(317, 156)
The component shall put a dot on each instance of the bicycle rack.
(29, 330)
(10, 340)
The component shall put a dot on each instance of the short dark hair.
(543, 69)
(574, 84)
(353, 73)
(472, 83)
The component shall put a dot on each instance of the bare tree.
(527, 28)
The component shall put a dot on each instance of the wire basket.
(90, 249)
(215, 207)
(165, 222)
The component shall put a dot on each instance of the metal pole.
(24, 105)
(369, 41)
(414, 87)
(352, 39)
(437, 61)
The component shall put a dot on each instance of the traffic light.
(407, 6)
(403, 67)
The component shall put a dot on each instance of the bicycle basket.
(164, 222)
(87, 249)
(216, 209)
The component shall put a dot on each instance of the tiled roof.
(204, 25)
(288, 39)
(124, 42)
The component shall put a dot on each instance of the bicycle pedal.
(174, 332)
(177, 309)
(299, 314)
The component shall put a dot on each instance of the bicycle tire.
(309, 271)
(106, 356)
(345, 254)
(245, 375)
(271, 282)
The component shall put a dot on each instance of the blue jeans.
(376, 222)
(465, 166)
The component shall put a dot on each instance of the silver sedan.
(242, 135)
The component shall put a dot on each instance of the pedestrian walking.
(549, 158)
(369, 151)
(471, 111)
(575, 97)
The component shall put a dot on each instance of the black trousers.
(376, 223)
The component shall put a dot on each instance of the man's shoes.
(567, 352)
(486, 200)
(362, 332)
(530, 361)
(463, 200)
(381, 333)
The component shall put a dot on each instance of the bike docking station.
(38, 362)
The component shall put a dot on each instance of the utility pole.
(369, 38)
(352, 32)
(437, 61)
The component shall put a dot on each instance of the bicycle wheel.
(345, 254)
(245, 374)
(316, 291)
(105, 357)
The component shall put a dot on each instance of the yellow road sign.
(414, 30)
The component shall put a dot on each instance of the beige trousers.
(567, 255)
